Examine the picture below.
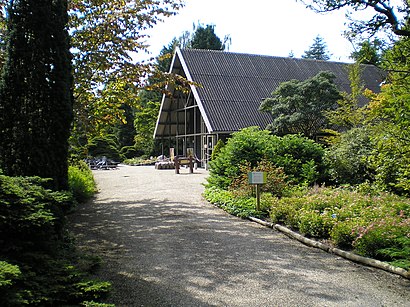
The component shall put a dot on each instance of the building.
(232, 86)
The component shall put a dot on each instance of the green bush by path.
(300, 158)
(38, 263)
(375, 226)
(81, 181)
(236, 205)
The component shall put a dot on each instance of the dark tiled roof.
(235, 84)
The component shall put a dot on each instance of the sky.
(265, 27)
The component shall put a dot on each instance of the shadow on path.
(166, 251)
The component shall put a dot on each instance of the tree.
(145, 120)
(369, 52)
(388, 15)
(105, 36)
(349, 114)
(317, 51)
(2, 31)
(36, 92)
(205, 38)
(298, 106)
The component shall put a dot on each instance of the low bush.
(375, 226)
(38, 264)
(81, 181)
(348, 159)
(140, 161)
(275, 179)
(300, 158)
(236, 205)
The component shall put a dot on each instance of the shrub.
(386, 239)
(343, 233)
(39, 267)
(248, 145)
(348, 159)
(217, 149)
(105, 146)
(239, 206)
(300, 158)
(81, 181)
(130, 152)
(9, 276)
(373, 225)
(275, 179)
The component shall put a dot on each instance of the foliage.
(217, 149)
(105, 146)
(140, 161)
(300, 158)
(249, 144)
(81, 181)
(144, 123)
(348, 159)
(205, 38)
(236, 205)
(349, 112)
(105, 37)
(36, 92)
(275, 179)
(387, 15)
(298, 106)
(389, 119)
(373, 225)
(318, 50)
(369, 52)
(39, 265)
(9, 276)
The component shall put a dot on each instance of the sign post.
(257, 178)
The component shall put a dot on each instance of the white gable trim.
(194, 90)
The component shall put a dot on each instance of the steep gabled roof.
(234, 84)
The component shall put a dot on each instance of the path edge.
(347, 255)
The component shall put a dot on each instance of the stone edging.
(353, 257)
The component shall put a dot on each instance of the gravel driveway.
(163, 245)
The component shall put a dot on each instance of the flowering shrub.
(375, 226)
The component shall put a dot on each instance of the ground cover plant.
(39, 265)
(81, 181)
(359, 217)
(372, 225)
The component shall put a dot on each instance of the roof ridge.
(264, 55)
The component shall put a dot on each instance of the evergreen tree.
(205, 38)
(318, 50)
(36, 92)
(369, 52)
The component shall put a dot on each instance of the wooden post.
(191, 165)
(258, 197)
(176, 162)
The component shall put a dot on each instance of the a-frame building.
(232, 88)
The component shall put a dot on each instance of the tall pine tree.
(318, 50)
(36, 91)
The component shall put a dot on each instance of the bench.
(178, 161)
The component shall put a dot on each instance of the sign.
(172, 154)
(256, 177)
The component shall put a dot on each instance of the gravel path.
(163, 245)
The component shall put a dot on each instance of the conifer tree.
(36, 92)
(318, 50)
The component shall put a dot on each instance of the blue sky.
(267, 27)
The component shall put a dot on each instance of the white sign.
(257, 177)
